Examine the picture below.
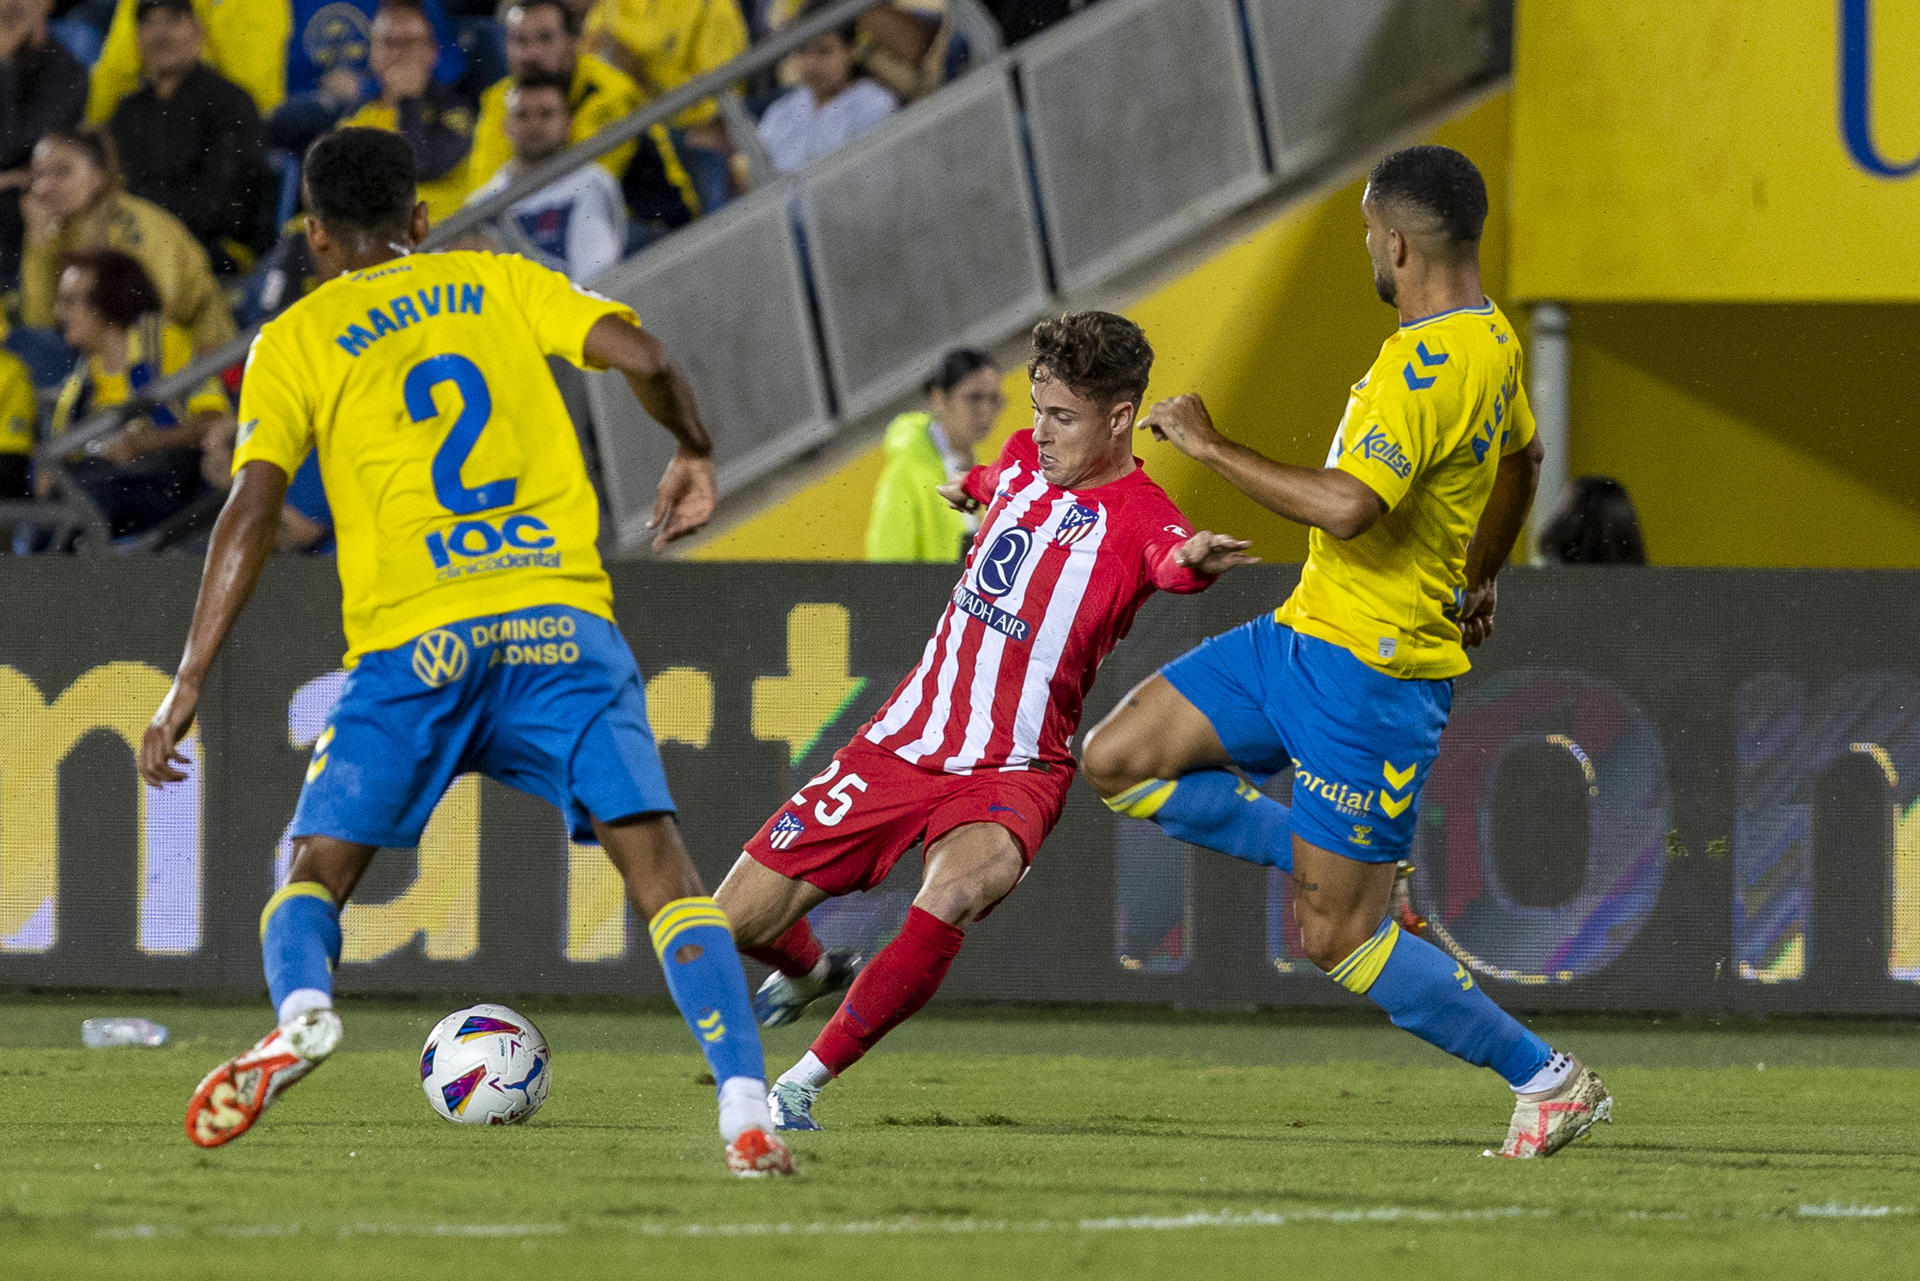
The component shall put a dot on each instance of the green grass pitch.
(1003, 1143)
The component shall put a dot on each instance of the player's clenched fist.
(1184, 423)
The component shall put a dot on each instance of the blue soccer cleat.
(781, 998)
(792, 1106)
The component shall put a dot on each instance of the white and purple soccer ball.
(486, 1065)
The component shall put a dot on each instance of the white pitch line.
(980, 1227)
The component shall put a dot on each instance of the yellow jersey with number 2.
(1425, 429)
(452, 468)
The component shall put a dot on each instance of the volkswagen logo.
(1000, 566)
(439, 658)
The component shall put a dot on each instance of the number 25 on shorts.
(839, 794)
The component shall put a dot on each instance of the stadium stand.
(995, 194)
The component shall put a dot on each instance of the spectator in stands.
(110, 312)
(246, 41)
(190, 141)
(18, 418)
(833, 104)
(543, 39)
(436, 123)
(579, 223)
(75, 204)
(906, 43)
(42, 89)
(910, 520)
(1594, 524)
(328, 71)
(662, 44)
(286, 275)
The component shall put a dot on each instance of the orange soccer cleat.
(232, 1096)
(756, 1154)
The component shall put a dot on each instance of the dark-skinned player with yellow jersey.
(478, 616)
(1350, 681)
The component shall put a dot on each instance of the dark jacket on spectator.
(1021, 18)
(201, 155)
(41, 90)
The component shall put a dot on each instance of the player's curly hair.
(1098, 355)
(1439, 182)
(361, 180)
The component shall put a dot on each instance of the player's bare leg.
(1342, 903)
(763, 904)
(696, 950)
(1156, 756)
(969, 870)
(769, 915)
(300, 941)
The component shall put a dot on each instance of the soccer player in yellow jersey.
(478, 617)
(1349, 682)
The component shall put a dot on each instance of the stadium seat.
(45, 353)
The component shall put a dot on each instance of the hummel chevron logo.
(1396, 778)
(1428, 360)
(1393, 808)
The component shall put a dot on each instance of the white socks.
(1549, 1077)
(302, 1000)
(809, 1071)
(743, 1106)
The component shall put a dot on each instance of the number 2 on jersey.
(470, 541)
(476, 409)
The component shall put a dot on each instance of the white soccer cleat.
(755, 1154)
(232, 1096)
(1544, 1123)
(791, 1105)
(781, 998)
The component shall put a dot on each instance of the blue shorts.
(547, 700)
(1360, 741)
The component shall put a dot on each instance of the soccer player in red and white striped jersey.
(970, 756)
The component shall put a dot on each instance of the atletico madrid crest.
(1075, 525)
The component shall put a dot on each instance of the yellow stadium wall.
(1755, 435)
(1749, 435)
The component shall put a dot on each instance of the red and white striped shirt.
(1053, 581)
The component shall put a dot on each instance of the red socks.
(894, 985)
(794, 953)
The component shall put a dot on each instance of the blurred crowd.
(149, 180)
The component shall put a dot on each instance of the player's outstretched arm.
(687, 489)
(242, 540)
(1323, 497)
(1513, 489)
